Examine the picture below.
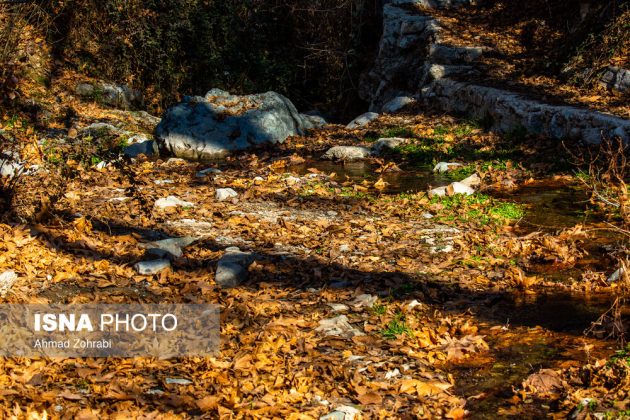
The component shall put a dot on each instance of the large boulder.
(214, 126)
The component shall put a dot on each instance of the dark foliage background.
(314, 50)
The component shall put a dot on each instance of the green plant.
(379, 309)
(396, 327)
(404, 132)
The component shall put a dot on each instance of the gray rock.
(232, 268)
(401, 55)
(615, 78)
(170, 246)
(313, 121)
(205, 172)
(440, 71)
(223, 194)
(362, 120)
(122, 97)
(347, 153)
(84, 89)
(141, 144)
(172, 201)
(100, 128)
(444, 54)
(7, 280)
(398, 103)
(148, 268)
(219, 124)
(387, 145)
(510, 111)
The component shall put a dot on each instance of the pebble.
(445, 167)
(232, 268)
(7, 280)
(172, 201)
(152, 267)
(223, 194)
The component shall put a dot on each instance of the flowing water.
(526, 332)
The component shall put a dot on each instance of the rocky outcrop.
(402, 52)
(214, 126)
(617, 79)
(413, 61)
(510, 111)
(122, 97)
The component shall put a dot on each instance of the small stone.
(338, 326)
(339, 307)
(232, 268)
(452, 189)
(172, 246)
(397, 104)
(7, 280)
(472, 181)
(172, 201)
(203, 173)
(392, 374)
(427, 216)
(443, 167)
(364, 301)
(152, 267)
(223, 194)
(344, 412)
(178, 381)
(101, 165)
(163, 181)
(362, 120)
(344, 248)
(347, 153)
(146, 147)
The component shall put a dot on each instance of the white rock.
(427, 216)
(338, 326)
(392, 374)
(362, 120)
(453, 189)
(347, 153)
(364, 301)
(223, 194)
(339, 307)
(397, 104)
(446, 166)
(472, 181)
(152, 267)
(172, 201)
(344, 412)
(163, 181)
(7, 280)
(178, 381)
(413, 304)
(10, 169)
